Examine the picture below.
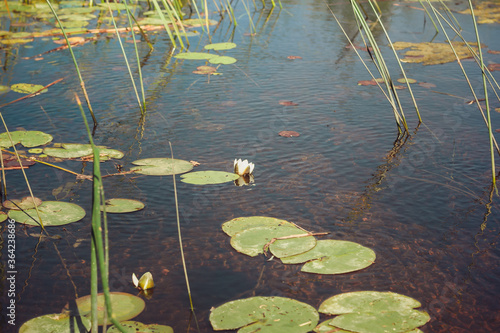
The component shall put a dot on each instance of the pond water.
(422, 203)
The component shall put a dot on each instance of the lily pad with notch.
(265, 315)
(135, 326)
(119, 205)
(161, 166)
(53, 213)
(125, 306)
(208, 177)
(252, 241)
(333, 257)
(56, 322)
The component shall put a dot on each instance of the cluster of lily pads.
(210, 57)
(255, 235)
(362, 312)
(75, 316)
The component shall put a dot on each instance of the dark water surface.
(422, 204)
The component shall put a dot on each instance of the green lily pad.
(9, 41)
(433, 53)
(27, 88)
(195, 55)
(117, 205)
(381, 322)
(333, 257)
(324, 327)
(56, 323)
(53, 213)
(22, 204)
(3, 216)
(208, 177)
(125, 306)
(35, 150)
(27, 138)
(161, 166)
(232, 227)
(265, 315)
(252, 241)
(76, 150)
(4, 89)
(220, 46)
(225, 60)
(367, 301)
(135, 326)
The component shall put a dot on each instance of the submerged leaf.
(24, 203)
(433, 53)
(265, 314)
(288, 134)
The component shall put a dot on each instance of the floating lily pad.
(27, 88)
(195, 55)
(367, 301)
(265, 315)
(220, 46)
(381, 322)
(208, 177)
(3, 216)
(53, 213)
(251, 241)
(161, 166)
(16, 41)
(135, 326)
(27, 138)
(324, 327)
(333, 257)
(487, 12)
(35, 150)
(117, 205)
(56, 323)
(4, 89)
(403, 80)
(125, 306)
(76, 150)
(225, 60)
(22, 204)
(232, 227)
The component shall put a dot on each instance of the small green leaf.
(222, 60)
(4, 89)
(208, 177)
(220, 46)
(26, 88)
(117, 205)
(161, 166)
(53, 213)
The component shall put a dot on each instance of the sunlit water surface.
(422, 204)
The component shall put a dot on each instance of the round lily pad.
(125, 306)
(56, 323)
(195, 56)
(20, 204)
(53, 213)
(265, 315)
(27, 138)
(367, 301)
(220, 46)
(381, 322)
(135, 326)
(27, 88)
(225, 60)
(232, 227)
(161, 166)
(208, 177)
(117, 205)
(333, 257)
(251, 241)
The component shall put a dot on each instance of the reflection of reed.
(363, 203)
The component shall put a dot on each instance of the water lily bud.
(146, 281)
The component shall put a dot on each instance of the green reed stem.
(97, 250)
(82, 83)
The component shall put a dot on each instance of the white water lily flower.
(145, 282)
(243, 167)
